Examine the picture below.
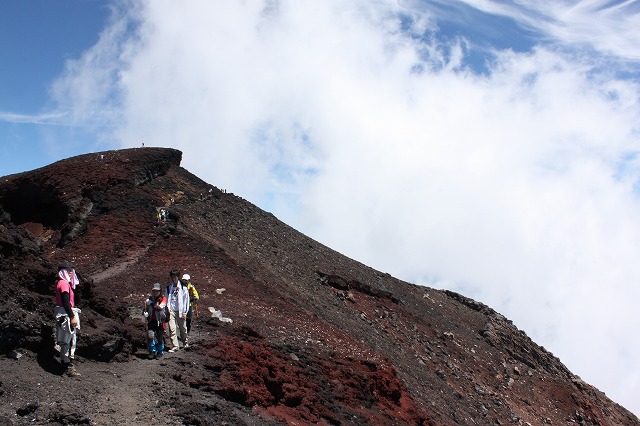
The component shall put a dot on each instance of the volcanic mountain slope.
(316, 337)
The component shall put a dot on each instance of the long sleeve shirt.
(178, 298)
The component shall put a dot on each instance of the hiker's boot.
(71, 371)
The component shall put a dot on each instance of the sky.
(487, 147)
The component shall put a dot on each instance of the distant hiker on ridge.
(193, 300)
(161, 215)
(155, 316)
(178, 300)
(67, 317)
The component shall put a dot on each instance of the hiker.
(193, 300)
(178, 300)
(162, 215)
(67, 317)
(155, 317)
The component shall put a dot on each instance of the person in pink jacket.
(67, 317)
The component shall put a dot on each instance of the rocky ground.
(297, 352)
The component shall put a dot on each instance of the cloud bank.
(517, 186)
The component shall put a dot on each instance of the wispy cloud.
(611, 27)
(53, 119)
(517, 187)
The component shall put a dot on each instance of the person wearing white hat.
(193, 300)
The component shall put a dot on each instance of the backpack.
(163, 315)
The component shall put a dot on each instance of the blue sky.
(488, 147)
(36, 39)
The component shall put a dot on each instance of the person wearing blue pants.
(154, 314)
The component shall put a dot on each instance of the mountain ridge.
(298, 351)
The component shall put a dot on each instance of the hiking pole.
(146, 332)
(195, 306)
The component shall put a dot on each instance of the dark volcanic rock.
(315, 337)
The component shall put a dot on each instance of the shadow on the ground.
(46, 354)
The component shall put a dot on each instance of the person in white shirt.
(178, 300)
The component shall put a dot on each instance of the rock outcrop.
(313, 338)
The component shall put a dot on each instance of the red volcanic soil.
(297, 350)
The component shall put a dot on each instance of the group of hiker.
(175, 307)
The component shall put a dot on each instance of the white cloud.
(609, 26)
(516, 188)
(45, 118)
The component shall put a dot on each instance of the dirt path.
(128, 395)
(121, 266)
(117, 393)
(139, 391)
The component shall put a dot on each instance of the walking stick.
(146, 328)
(195, 306)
